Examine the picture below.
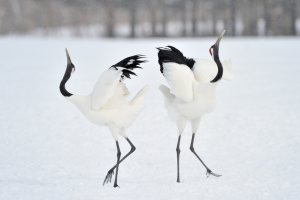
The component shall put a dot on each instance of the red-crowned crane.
(107, 104)
(193, 85)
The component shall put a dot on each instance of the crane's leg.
(115, 133)
(118, 162)
(181, 123)
(111, 171)
(178, 152)
(195, 125)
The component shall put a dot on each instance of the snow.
(48, 150)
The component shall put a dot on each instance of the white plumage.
(192, 91)
(191, 94)
(180, 78)
(205, 70)
(105, 87)
(107, 104)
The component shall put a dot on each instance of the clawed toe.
(108, 177)
(209, 172)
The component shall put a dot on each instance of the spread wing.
(177, 71)
(106, 85)
(180, 79)
(205, 70)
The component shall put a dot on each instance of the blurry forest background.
(149, 18)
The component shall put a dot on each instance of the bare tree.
(164, 18)
(293, 11)
(110, 22)
(77, 16)
(133, 11)
(153, 5)
(194, 17)
(184, 11)
(232, 6)
(267, 11)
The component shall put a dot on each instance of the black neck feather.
(219, 64)
(66, 77)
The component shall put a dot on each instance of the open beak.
(219, 39)
(68, 57)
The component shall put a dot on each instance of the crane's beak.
(219, 39)
(68, 57)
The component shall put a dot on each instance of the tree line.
(150, 18)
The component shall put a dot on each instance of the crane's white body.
(192, 95)
(107, 104)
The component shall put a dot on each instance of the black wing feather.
(130, 63)
(171, 54)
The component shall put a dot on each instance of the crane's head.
(214, 49)
(70, 65)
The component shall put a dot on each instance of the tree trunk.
(267, 17)
(132, 19)
(184, 18)
(215, 14)
(274, 20)
(110, 18)
(194, 18)
(164, 19)
(153, 12)
(293, 5)
(233, 16)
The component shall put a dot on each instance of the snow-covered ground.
(48, 150)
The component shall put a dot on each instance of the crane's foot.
(209, 172)
(115, 185)
(108, 177)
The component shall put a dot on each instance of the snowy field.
(48, 150)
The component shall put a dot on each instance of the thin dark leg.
(193, 150)
(111, 171)
(118, 162)
(178, 152)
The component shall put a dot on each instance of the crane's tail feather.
(228, 73)
(169, 98)
(136, 105)
(166, 92)
(141, 96)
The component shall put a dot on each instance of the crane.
(107, 104)
(192, 91)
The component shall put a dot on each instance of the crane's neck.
(66, 77)
(219, 64)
